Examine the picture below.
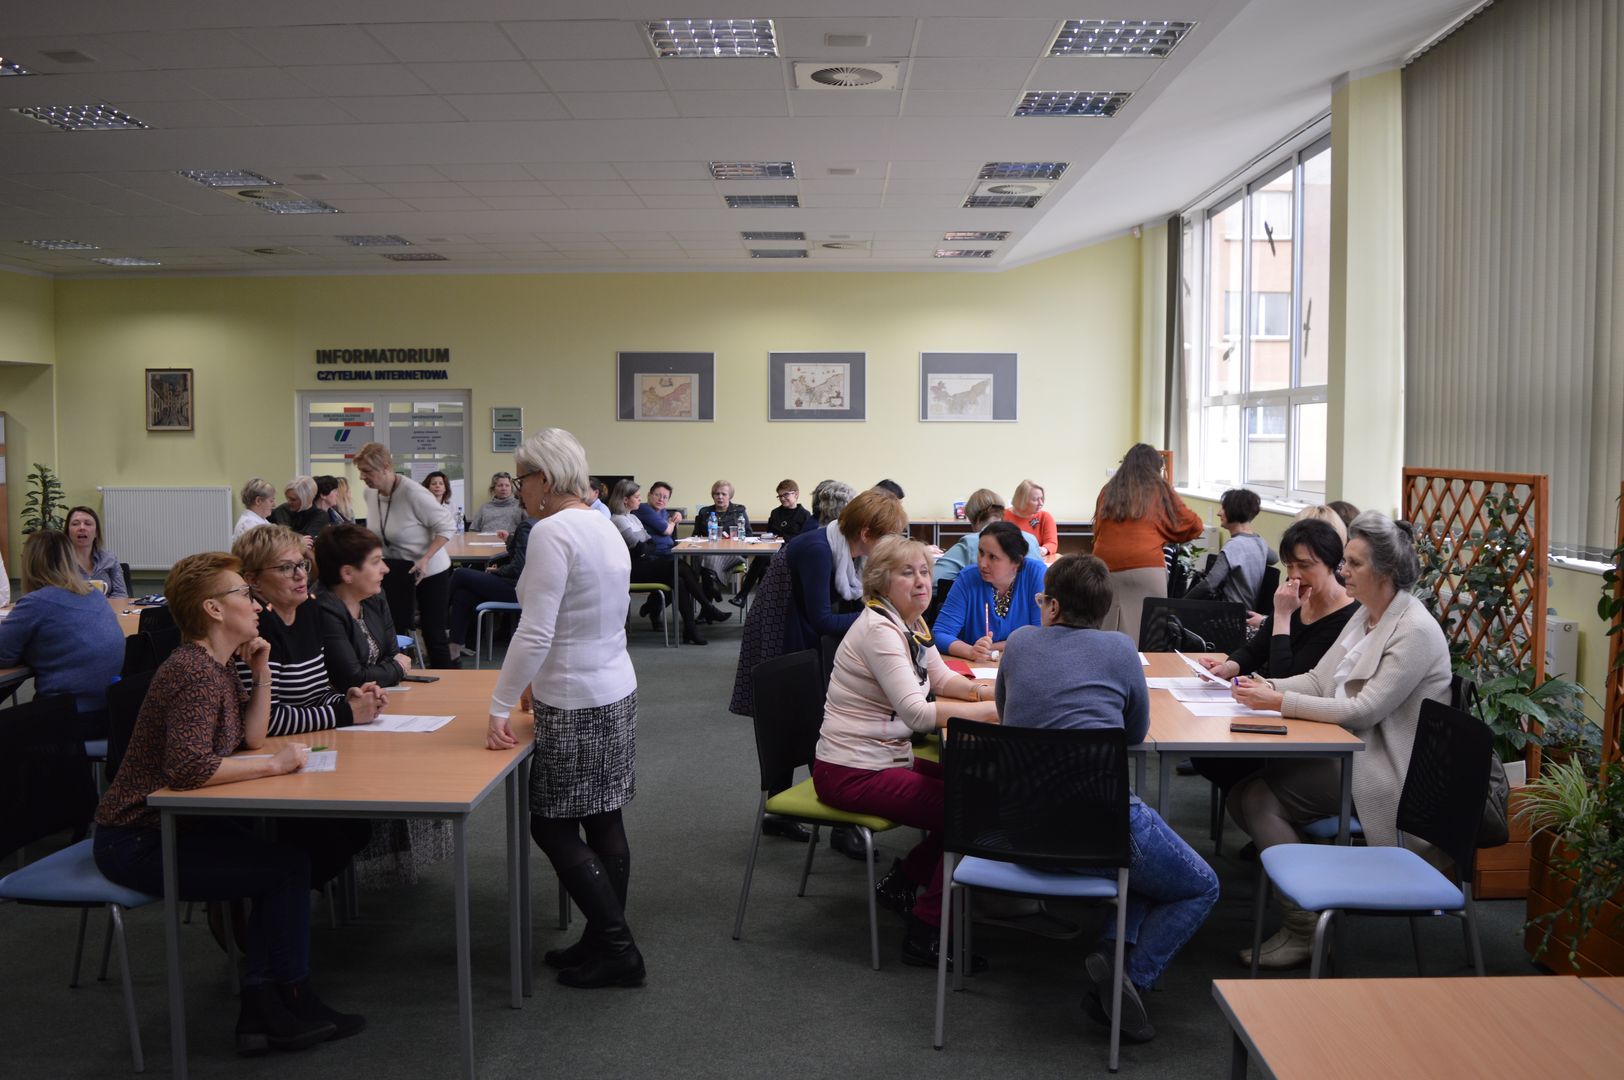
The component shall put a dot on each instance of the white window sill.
(1584, 566)
(1271, 506)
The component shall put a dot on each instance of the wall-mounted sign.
(507, 417)
(505, 441)
(439, 441)
(339, 440)
(382, 365)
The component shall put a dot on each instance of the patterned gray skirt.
(586, 759)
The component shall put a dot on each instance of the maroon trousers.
(910, 797)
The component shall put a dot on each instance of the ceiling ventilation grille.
(780, 236)
(375, 240)
(976, 235)
(813, 75)
(414, 256)
(127, 260)
(778, 253)
(1008, 202)
(82, 117)
(762, 202)
(11, 67)
(752, 170)
(60, 245)
(964, 253)
(229, 178)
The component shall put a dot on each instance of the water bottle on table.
(712, 529)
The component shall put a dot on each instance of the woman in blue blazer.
(991, 599)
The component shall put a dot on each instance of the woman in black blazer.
(357, 631)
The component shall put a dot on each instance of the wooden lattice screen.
(1452, 512)
(1167, 465)
(1613, 720)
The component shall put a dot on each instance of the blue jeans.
(469, 589)
(1171, 890)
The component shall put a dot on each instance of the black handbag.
(1495, 828)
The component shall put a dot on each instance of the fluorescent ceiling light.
(964, 253)
(977, 234)
(783, 202)
(1008, 202)
(778, 253)
(376, 240)
(81, 117)
(1072, 102)
(752, 170)
(415, 256)
(1022, 170)
(11, 67)
(126, 260)
(712, 37)
(60, 245)
(1148, 38)
(229, 178)
(800, 236)
(296, 206)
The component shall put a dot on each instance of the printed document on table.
(317, 761)
(984, 672)
(402, 722)
(1200, 672)
(1144, 661)
(1205, 692)
(1170, 682)
(1232, 708)
(486, 543)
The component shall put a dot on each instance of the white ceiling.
(514, 135)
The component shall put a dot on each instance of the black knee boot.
(619, 869)
(615, 961)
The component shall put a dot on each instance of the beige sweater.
(876, 700)
(1405, 662)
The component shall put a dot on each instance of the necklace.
(1001, 602)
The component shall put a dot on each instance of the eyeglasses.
(240, 590)
(518, 481)
(288, 569)
(1044, 598)
(788, 494)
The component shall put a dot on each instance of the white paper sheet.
(1170, 682)
(317, 761)
(1144, 661)
(984, 672)
(1200, 672)
(1232, 709)
(403, 722)
(485, 543)
(1206, 692)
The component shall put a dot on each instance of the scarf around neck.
(847, 581)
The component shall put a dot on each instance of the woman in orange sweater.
(1026, 513)
(1138, 511)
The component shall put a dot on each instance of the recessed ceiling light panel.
(126, 260)
(414, 256)
(295, 206)
(1022, 170)
(712, 37)
(229, 178)
(797, 236)
(60, 245)
(762, 202)
(778, 253)
(376, 240)
(1150, 39)
(1005, 202)
(974, 235)
(752, 170)
(1072, 102)
(964, 253)
(11, 67)
(82, 117)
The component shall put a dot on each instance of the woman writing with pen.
(990, 600)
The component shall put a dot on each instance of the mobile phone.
(436, 678)
(1252, 729)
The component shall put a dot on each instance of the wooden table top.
(1611, 988)
(1382, 1029)
(445, 771)
(1173, 728)
(462, 547)
(698, 546)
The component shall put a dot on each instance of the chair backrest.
(1191, 625)
(1447, 783)
(1053, 798)
(124, 568)
(139, 654)
(788, 713)
(124, 700)
(45, 780)
(155, 618)
(1264, 601)
(163, 640)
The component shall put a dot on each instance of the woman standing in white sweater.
(415, 528)
(568, 656)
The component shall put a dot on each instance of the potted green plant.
(1576, 879)
(43, 507)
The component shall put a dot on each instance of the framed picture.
(968, 387)
(665, 386)
(817, 386)
(169, 399)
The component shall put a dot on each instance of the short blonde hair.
(1324, 513)
(374, 455)
(48, 561)
(305, 488)
(877, 512)
(982, 503)
(1023, 493)
(722, 485)
(558, 456)
(889, 555)
(255, 490)
(190, 582)
(257, 549)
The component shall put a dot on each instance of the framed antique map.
(817, 386)
(968, 387)
(665, 386)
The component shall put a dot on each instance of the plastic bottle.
(458, 525)
(711, 528)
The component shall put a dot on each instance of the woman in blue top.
(64, 630)
(990, 600)
(95, 562)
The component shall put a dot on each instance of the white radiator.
(152, 528)
(1561, 647)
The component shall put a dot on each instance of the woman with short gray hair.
(1390, 658)
(259, 501)
(300, 513)
(829, 498)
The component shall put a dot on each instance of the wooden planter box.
(1601, 952)
(1502, 872)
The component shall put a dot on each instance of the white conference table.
(692, 546)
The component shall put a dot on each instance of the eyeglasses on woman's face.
(518, 481)
(236, 590)
(289, 569)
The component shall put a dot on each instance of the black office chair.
(1264, 602)
(1191, 625)
(155, 618)
(124, 700)
(124, 568)
(936, 600)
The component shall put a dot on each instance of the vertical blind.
(1514, 256)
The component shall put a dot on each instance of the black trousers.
(431, 597)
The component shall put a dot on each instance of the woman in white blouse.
(415, 528)
(568, 658)
(258, 500)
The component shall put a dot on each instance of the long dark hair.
(1139, 484)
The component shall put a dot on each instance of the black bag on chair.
(1496, 827)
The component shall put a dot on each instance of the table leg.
(177, 998)
(676, 595)
(527, 951)
(1237, 1057)
(1139, 774)
(1344, 826)
(465, 975)
(1164, 763)
(515, 935)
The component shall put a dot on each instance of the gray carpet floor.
(795, 996)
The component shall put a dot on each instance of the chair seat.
(68, 876)
(801, 801)
(930, 749)
(95, 749)
(404, 641)
(1325, 828)
(649, 586)
(1015, 878)
(1359, 879)
(496, 605)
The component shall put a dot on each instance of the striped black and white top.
(302, 700)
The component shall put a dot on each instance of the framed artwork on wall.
(665, 386)
(817, 386)
(968, 387)
(169, 399)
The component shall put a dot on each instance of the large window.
(1255, 390)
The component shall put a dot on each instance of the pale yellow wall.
(548, 342)
(27, 321)
(27, 351)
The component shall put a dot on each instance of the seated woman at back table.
(501, 513)
(982, 508)
(438, 484)
(656, 569)
(300, 512)
(95, 562)
(786, 521)
(1237, 570)
(889, 682)
(1390, 657)
(258, 501)
(730, 517)
(494, 583)
(357, 630)
(196, 714)
(990, 600)
(1137, 512)
(826, 585)
(64, 630)
(1026, 513)
(1068, 673)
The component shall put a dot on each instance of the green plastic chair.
(665, 591)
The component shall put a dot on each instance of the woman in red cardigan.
(1138, 511)
(1026, 513)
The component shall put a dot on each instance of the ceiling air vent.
(280, 200)
(812, 75)
(846, 245)
(272, 251)
(762, 202)
(778, 253)
(1029, 189)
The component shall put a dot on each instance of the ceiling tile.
(525, 202)
(841, 185)
(387, 174)
(986, 37)
(500, 77)
(360, 80)
(470, 42)
(115, 87)
(618, 106)
(424, 190)
(844, 103)
(926, 202)
(931, 185)
(823, 202)
(499, 107)
(683, 202)
(964, 103)
(674, 187)
(571, 170)
(487, 189)
(1093, 73)
(588, 187)
(230, 84)
(186, 114)
(329, 192)
(731, 103)
(430, 206)
(589, 39)
(314, 45)
(419, 109)
(662, 170)
(968, 74)
(191, 49)
(744, 74)
(603, 202)
(966, 168)
(600, 75)
(889, 38)
(479, 173)
(370, 206)
(107, 49)
(294, 111)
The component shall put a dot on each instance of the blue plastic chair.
(487, 608)
(1442, 803)
(1016, 797)
(1325, 828)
